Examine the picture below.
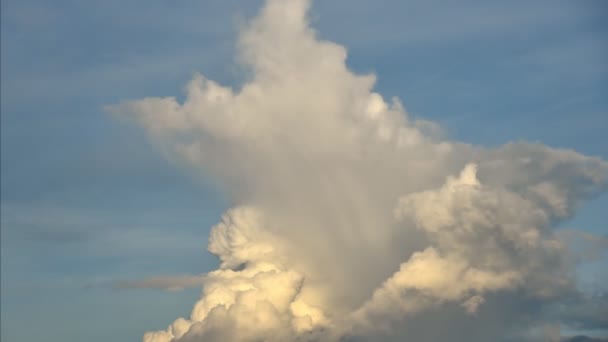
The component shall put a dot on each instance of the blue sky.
(87, 200)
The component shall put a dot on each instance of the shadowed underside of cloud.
(352, 220)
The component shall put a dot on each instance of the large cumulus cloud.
(352, 218)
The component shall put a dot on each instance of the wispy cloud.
(168, 283)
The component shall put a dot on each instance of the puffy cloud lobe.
(483, 240)
(350, 213)
(239, 239)
(258, 301)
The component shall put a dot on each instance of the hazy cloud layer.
(353, 220)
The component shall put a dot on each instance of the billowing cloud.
(352, 219)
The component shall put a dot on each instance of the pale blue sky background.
(87, 201)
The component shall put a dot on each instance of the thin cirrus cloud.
(354, 221)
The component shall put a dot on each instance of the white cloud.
(317, 164)
(262, 300)
(483, 240)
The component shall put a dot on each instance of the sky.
(100, 217)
